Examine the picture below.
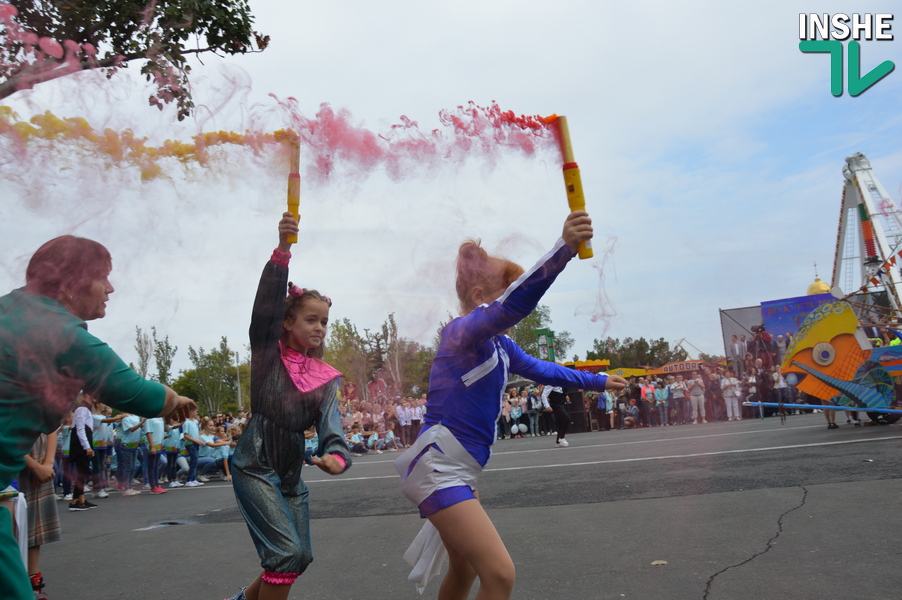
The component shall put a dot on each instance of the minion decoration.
(831, 358)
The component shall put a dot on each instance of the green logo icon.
(857, 84)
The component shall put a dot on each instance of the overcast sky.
(710, 146)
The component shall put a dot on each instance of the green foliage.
(97, 34)
(163, 353)
(403, 363)
(710, 358)
(633, 354)
(346, 351)
(524, 334)
(144, 347)
(214, 377)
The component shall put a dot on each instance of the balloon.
(514, 430)
(523, 428)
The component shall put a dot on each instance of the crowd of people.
(706, 395)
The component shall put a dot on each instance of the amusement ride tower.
(869, 242)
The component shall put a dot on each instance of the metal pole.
(238, 374)
(891, 411)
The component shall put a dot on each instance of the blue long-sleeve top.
(469, 373)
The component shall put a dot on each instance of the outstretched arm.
(551, 373)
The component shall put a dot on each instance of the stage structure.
(869, 242)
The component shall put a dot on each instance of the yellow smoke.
(123, 147)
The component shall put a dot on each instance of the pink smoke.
(603, 310)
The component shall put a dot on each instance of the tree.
(710, 358)
(163, 353)
(144, 348)
(524, 333)
(345, 351)
(213, 379)
(632, 354)
(46, 39)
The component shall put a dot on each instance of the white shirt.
(81, 419)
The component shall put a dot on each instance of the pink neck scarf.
(306, 372)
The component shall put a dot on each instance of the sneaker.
(157, 490)
(101, 494)
(131, 492)
(704, 421)
(239, 596)
(59, 497)
(378, 451)
(193, 484)
(176, 484)
(68, 497)
(76, 506)
(563, 443)
(203, 479)
(856, 423)
(146, 486)
(89, 504)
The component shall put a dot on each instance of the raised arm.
(523, 295)
(269, 304)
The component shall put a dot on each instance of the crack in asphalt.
(769, 545)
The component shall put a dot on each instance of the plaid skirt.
(43, 516)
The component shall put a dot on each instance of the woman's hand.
(287, 226)
(577, 227)
(328, 463)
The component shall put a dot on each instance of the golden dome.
(818, 287)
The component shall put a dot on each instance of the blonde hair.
(475, 268)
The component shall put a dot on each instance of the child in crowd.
(154, 431)
(466, 387)
(172, 446)
(355, 440)
(36, 482)
(390, 440)
(62, 466)
(311, 442)
(193, 444)
(131, 427)
(292, 389)
(103, 444)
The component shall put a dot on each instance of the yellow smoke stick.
(573, 182)
(294, 183)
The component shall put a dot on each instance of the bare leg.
(34, 560)
(260, 590)
(473, 546)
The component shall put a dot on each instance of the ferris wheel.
(869, 242)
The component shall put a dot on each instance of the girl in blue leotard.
(466, 389)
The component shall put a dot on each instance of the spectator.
(697, 398)
(103, 445)
(680, 392)
(356, 442)
(732, 391)
(631, 415)
(714, 394)
(172, 446)
(662, 403)
(36, 482)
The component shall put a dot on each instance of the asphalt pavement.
(751, 510)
